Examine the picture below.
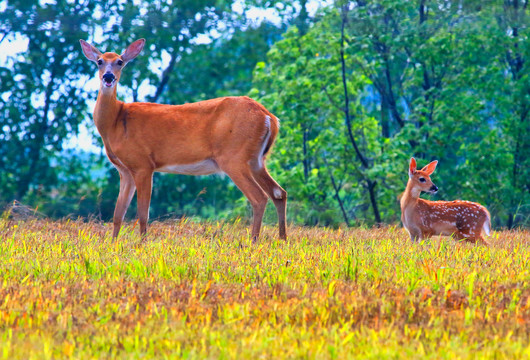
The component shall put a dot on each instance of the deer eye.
(422, 180)
(120, 62)
(100, 62)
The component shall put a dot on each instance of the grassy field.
(68, 290)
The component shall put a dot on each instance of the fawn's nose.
(434, 188)
(108, 77)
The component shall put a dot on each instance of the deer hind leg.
(476, 234)
(483, 241)
(144, 184)
(253, 192)
(127, 189)
(277, 194)
(461, 235)
(470, 235)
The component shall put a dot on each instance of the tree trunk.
(305, 160)
(364, 162)
(26, 179)
(337, 196)
(371, 190)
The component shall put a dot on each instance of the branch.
(391, 98)
(337, 189)
(346, 96)
(331, 100)
(371, 76)
(165, 76)
(4, 35)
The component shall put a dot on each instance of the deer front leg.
(127, 188)
(144, 184)
(415, 234)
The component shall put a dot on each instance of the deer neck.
(410, 196)
(106, 110)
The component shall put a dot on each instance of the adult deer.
(229, 134)
(424, 218)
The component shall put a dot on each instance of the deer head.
(420, 179)
(111, 64)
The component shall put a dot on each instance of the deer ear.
(133, 50)
(412, 166)
(90, 51)
(429, 169)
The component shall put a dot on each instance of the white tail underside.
(486, 227)
(266, 138)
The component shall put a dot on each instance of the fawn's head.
(110, 64)
(421, 178)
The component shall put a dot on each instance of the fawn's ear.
(412, 166)
(133, 50)
(90, 51)
(429, 169)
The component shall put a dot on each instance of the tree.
(359, 88)
(412, 84)
(32, 160)
(41, 96)
(303, 85)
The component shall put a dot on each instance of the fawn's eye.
(422, 180)
(119, 62)
(100, 62)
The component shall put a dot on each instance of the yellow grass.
(190, 291)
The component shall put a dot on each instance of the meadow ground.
(68, 290)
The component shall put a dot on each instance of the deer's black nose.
(434, 188)
(108, 77)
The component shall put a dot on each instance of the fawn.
(424, 218)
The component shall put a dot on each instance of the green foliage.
(38, 112)
(38, 108)
(431, 81)
(359, 89)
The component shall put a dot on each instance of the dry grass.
(190, 291)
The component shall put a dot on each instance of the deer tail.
(487, 224)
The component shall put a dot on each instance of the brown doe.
(424, 218)
(229, 134)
